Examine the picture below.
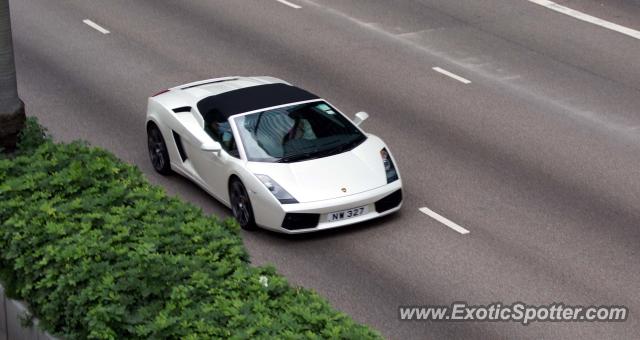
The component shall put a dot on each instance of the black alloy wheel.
(241, 205)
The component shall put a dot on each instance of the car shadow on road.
(375, 225)
(193, 193)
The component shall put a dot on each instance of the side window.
(221, 133)
(229, 144)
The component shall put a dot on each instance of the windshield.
(296, 133)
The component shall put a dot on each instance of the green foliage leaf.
(99, 253)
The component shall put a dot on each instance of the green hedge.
(100, 253)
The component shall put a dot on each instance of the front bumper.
(273, 217)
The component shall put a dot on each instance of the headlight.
(282, 195)
(389, 168)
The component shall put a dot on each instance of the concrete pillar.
(3, 315)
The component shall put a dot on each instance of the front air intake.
(389, 202)
(296, 221)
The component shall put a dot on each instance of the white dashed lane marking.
(292, 5)
(452, 75)
(587, 18)
(96, 26)
(443, 220)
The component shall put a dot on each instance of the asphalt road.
(538, 157)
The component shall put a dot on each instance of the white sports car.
(282, 158)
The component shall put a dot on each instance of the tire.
(241, 205)
(158, 153)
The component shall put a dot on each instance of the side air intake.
(176, 137)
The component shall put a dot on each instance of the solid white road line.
(452, 75)
(285, 2)
(443, 220)
(96, 26)
(588, 18)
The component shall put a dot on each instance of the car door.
(214, 167)
(207, 168)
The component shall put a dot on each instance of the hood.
(356, 171)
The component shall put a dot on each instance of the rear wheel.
(158, 153)
(241, 205)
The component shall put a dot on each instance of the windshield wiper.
(297, 157)
(320, 153)
(344, 147)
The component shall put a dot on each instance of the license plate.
(344, 214)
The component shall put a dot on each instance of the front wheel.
(241, 205)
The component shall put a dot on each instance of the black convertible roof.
(222, 106)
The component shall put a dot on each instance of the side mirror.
(360, 117)
(211, 146)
